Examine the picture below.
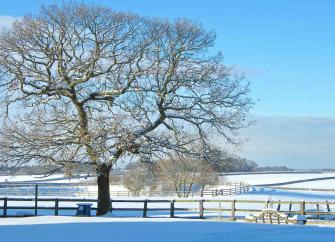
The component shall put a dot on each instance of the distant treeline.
(223, 164)
(237, 164)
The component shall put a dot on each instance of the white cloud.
(6, 21)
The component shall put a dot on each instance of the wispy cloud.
(6, 21)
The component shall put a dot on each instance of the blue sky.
(285, 48)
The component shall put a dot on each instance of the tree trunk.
(103, 190)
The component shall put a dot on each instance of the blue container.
(84, 209)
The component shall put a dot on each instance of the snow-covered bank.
(74, 229)
(256, 179)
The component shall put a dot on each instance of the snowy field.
(124, 226)
(251, 179)
(258, 179)
(323, 184)
(56, 178)
(255, 193)
(74, 229)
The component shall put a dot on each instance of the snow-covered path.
(74, 229)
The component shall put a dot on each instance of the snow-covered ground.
(56, 178)
(323, 184)
(132, 228)
(259, 194)
(76, 229)
(255, 193)
(257, 179)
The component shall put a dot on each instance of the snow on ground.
(260, 193)
(257, 179)
(255, 193)
(323, 184)
(74, 229)
(56, 178)
(132, 228)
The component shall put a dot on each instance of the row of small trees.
(180, 173)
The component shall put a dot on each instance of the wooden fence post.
(290, 209)
(278, 207)
(111, 205)
(5, 207)
(56, 206)
(270, 217)
(233, 209)
(36, 199)
(201, 208)
(328, 208)
(267, 202)
(145, 208)
(172, 209)
(302, 207)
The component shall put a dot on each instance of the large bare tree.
(84, 85)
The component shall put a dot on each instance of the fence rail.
(57, 190)
(212, 193)
(204, 208)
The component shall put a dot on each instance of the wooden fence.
(48, 190)
(215, 209)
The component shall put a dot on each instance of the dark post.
(328, 208)
(318, 210)
(5, 207)
(278, 207)
(36, 198)
(290, 209)
(172, 209)
(56, 206)
(201, 208)
(145, 208)
(111, 205)
(267, 204)
(302, 207)
(233, 208)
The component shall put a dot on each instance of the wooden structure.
(268, 216)
(225, 209)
